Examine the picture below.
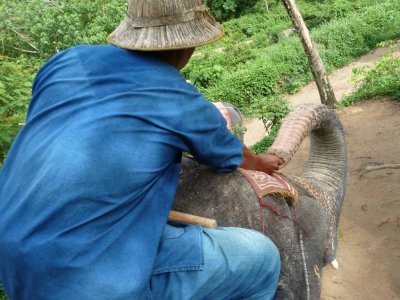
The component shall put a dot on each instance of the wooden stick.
(380, 167)
(175, 216)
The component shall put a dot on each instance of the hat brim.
(193, 33)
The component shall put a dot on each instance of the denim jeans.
(238, 264)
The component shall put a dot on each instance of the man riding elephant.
(89, 181)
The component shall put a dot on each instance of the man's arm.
(266, 163)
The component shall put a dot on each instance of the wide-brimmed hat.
(152, 25)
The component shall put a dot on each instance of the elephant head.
(305, 233)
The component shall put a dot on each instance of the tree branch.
(379, 167)
(23, 50)
(24, 38)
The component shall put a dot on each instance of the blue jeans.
(238, 264)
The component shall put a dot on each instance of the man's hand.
(266, 163)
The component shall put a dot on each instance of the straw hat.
(152, 25)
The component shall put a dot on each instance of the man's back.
(89, 181)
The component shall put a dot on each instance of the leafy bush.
(276, 69)
(203, 77)
(15, 86)
(245, 87)
(260, 23)
(2, 293)
(227, 9)
(207, 69)
(380, 80)
(272, 111)
(256, 23)
(265, 143)
(283, 67)
(317, 13)
(42, 28)
(344, 39)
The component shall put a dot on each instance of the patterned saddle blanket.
(275, 184)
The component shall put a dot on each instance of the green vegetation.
(380, 80)
(15, 85)
(257, 63)
(227, 9)
(2, 294)
(259, 60)
(39, 29)
(255, 69)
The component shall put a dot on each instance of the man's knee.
(268, 266)
(260, 265)
(238, 264)
(267, 254)
(254, 250)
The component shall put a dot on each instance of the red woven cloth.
(264, 184)
(275, 184)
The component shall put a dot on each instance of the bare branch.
(317, 66)
(53, 3)
(379, 167)
(23, 50)
(24, 38)
(266, 5)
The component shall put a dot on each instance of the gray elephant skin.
(305, 233)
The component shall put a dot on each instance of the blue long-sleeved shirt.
(89, 181)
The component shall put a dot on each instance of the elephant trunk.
(325, 174)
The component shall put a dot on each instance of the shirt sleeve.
(206, 136)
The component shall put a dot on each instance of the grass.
(378, 81)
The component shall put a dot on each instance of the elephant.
(304, 232)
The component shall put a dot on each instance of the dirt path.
(340, 79)
(369, 229)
